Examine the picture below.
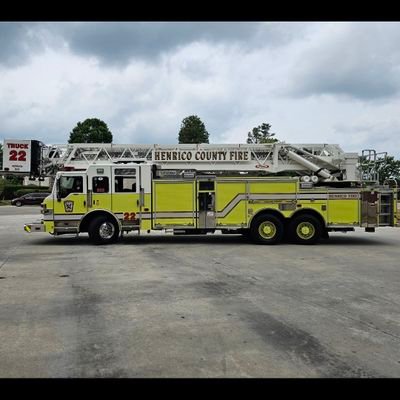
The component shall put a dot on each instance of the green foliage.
(92, 130)
(261, 134)
(193, 130)
(10, 190)
(14, 180)
(389, 169)
(7, 192)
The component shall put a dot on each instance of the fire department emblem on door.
(68, 206)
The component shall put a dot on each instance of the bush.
(9, 192)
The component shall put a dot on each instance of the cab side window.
(70, 184)
(100, 184)
(125, 180)
(125, 184)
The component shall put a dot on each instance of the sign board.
(201, 155)
(17, 155)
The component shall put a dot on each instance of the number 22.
(129, 216)
(17, 156)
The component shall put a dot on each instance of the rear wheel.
(103, 230)
(267, 229)
(305, 229)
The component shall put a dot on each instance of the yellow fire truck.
(266, 192)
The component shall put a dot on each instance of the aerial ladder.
(316, 162)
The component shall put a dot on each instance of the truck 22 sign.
(17, 155)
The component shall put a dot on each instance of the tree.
(389, 169)
(193, 130)
(261, 134)
(1, 156)
(92, 130)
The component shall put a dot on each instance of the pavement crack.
(9, 255)
(3, 263)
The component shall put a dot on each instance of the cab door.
(70, 197)
(127, 197)
(99, 192)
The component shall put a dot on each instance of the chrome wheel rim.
(106, 230)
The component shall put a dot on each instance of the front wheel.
(305, 229)
(267, 229)
(18, 203)
(103, 230)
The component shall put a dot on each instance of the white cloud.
(231, 85)
(359, 60)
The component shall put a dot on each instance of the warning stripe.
(226, 210)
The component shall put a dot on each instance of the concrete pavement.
(209, 306)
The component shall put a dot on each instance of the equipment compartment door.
(206, 210)
(206, 204)
(173, 204)
(369, 209)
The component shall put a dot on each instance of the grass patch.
(5, 202)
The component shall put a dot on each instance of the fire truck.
(266, 192)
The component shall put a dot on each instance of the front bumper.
(34, 227)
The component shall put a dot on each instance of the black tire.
(246, 233)
(267, 229)
(305, 229)
(325, 234)
(103, 230)
(18, 203)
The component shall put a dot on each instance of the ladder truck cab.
(266, 192)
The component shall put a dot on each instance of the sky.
(313, 82)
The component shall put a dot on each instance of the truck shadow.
(354, 241)
(236, 240)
